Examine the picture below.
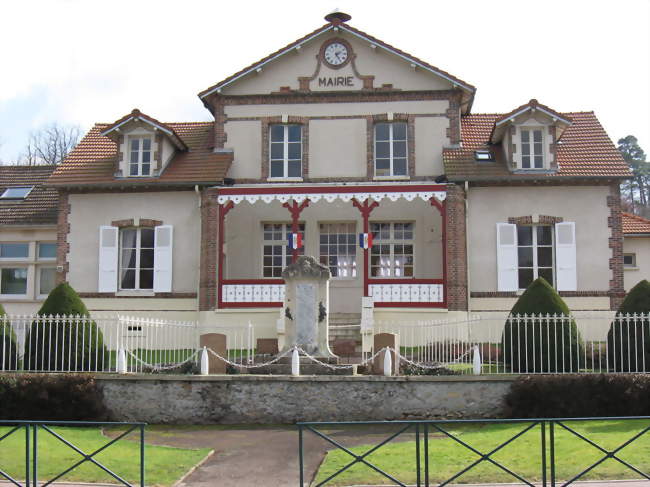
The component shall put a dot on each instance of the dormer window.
(483, 156)
(16, 193)
(140, 156)
(532, 148)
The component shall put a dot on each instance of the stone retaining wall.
(283, 399)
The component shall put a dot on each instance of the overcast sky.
(80, 62)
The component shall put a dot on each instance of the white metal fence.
(584, 343)
(104, 343)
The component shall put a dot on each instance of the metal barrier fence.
(581, 343)
(545, 430)
(31, 431)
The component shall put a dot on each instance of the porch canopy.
(397, 291)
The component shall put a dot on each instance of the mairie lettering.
(335, 81)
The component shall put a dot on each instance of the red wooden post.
(223, 210)
(365, 208)
(442, 208)
(295, 209)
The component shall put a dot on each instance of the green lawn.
(163, 465)
(522, 456)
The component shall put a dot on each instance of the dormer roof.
(136, 115)
(560, 120)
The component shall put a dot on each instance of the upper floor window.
(391, 154)
(46, 250)
(136, 258)
(286, 151)
(140, 156)
(532, 148)
(14, 250)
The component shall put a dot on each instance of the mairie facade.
(348, 149)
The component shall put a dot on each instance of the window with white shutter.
(108, 250)
(163, 244)
(507, 257)
(565, 256)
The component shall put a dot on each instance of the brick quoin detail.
(208, 257)
(456, 249)
(62, 231)
(528, 220)
(615, 223)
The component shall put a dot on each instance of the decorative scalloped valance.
(331, 197)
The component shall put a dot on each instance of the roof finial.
(335, 17)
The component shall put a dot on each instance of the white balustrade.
(253, 293)
(406, 293)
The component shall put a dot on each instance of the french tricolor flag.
(365, 240)
(295, 240)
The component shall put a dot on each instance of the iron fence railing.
(33, 431)
(543, 431)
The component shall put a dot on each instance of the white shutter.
(108, 249)
(507, 263)
(565, 256)
(162, 274)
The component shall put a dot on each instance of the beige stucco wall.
(243, 246)
(430, 138)
(245, 138)
(641, 247)
(387, 68)
(584, 205)
(337, 148)
(90, 211)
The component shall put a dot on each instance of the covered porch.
(383, 242)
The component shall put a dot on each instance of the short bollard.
(477, 361)
(295, 362)
(121, 361)
(205, 364)
(388, 362)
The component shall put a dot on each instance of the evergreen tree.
(640, 183)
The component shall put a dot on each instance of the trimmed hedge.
(53, 397)
(575, 396)
(541, 345)
(628, 340)
(81, 341)
(7, 343)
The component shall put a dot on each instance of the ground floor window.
(46, 280)
(276, 249)
(136, 258)
(392, 249)
(629, 260)
(535, 253)
(338, 248)
(13, 280)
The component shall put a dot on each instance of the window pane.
(547, 274)
(383, 167)
(146, 157)
(277, 169)
(545, 256)
(537, 135)
(146, 144)
(399, 149)
(129, 237)
(133, 170)
(277, 151)
(399, 131)
(128, 279)
(382, 131)
(525, 256)
(135, 145)
(524, 235)
(539, 162)
(294, 151)
(294, 133)
(146, 279)
(525, 278)
(46, 250)
(146, 259)
(145, 170)
(128, 258)
(147, 237)
(47, 280)
(537, 148)
(525, 162)
(382, 150)
(294, 169)
(277, 133)
(13, 281)
(399, 167)
(544, 235)
(14, 250)
(19, 192)
(525, 136)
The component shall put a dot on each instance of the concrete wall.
(586, 206)
(281, 399)
(90, 211)
(641, 247)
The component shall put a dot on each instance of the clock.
(336, 54)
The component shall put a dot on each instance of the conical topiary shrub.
(8, 352)
(534, 342)
(71, 342)
(628, 339)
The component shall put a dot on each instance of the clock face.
(335, 54)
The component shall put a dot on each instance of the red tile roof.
(585, 150)
(635, 224)
(41, 204)
(94, 159)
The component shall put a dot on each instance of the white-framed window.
(629, 260)
(13, 281)
(391, 149)
(535, 254)
(285, 151)
(46, 250)
(392, 253)
(14, 251)
(276, 252)
(136, 258)
(16, 193)
(532, 148)
(46, 280)
(338, 248)
(139, 156)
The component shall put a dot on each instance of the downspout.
(467, 246)
(200, 240)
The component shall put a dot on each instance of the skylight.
(16, 193)
(483, 156)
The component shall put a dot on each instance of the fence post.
(295, 363)
(388, 362)
(121, 361)
(205, 363)
(477, 360)
(218, 343)
(386, 341)
(300, 456)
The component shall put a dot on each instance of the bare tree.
(50, 144)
